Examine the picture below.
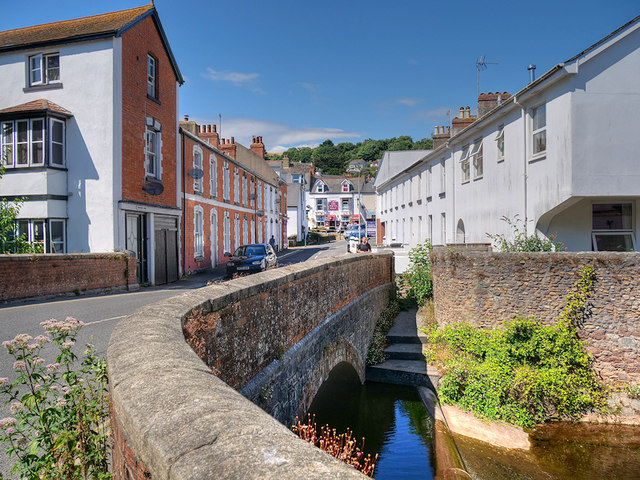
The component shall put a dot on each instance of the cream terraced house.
(561, 153)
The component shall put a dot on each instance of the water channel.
(392, 419)
(396, 425)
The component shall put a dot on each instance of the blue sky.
(298, 72)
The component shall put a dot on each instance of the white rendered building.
(561, 155)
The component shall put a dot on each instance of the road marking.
(104, 320)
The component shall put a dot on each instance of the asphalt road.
(101, 313)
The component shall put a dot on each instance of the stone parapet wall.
(174, 419)
(26, 275)
(487, 288)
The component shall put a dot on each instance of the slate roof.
(334, 184)
(293, 194)
(393, 163)
(85, 28)
(40, 105)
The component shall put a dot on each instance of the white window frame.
(320, 187)
(153, 158)
(629, 231)
(500, 143)
(47, 238)
(540, 131)
(345, 187)
(236, 185)
(296, 178)
(428, 181)
(152, 76)
(236, 231)
(252, 198)
(443, 227)
(198, 183)
(443, 178)
(227, 232)
(245, 230)
(245, 197)
(198, 232)
(52, 142)
(213, 176)
(40, 63)
(226, 194)
(478, 160)
(10, 144)
(465, 167)
(64, 235)
(419, 189)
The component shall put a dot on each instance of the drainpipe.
(525, 159)
(184, 211)
(453, 192)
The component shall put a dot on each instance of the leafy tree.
(401, 143)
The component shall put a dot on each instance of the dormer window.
(321, 187)
(346, 187)
(44, 69)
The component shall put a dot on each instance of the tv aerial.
(481, 65)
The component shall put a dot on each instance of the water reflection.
(392, 419)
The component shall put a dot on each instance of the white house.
(88, 118)
(561, 154)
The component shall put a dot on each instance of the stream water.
(392, 419)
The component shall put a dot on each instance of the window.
(320, 188)
(245, 230)
(153, 148)
(44, 69)
(236, 231)
(430, 227)
(346, 204)
(419, 193)
(227, 232)
(259, 194)
(464, 165)
(56, 141)
(236, 185)
(296, 178)
(321, 204)
(244, 190)
(22, 142)
(500, 143)
(253, 230)
(539, 130)
(613, 227)
(253, 194)
(197, 166)
(50, 233)
(476, 154)
(443, 226)
(152, 76)
(213, 176)
(428, 181)
(443, 178)
(198, 229)
(346, 187)
(225, 182)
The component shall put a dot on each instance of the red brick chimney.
(489, 101)
(463, 121)
(257, 146)
(228, 146)
(209, 134)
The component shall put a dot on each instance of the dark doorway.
(166, 251)
(136, 232)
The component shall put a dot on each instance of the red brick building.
(230, 196)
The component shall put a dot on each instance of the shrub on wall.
(418, 276)
(521, 241)
(524, 373)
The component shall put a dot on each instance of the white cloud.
(237, 79)
(410, 102)
(432, 113)
(276, 135)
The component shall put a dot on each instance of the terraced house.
(88, 117)
(561, 154)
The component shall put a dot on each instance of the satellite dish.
(153, 187)
(196, 173)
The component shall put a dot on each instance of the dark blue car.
(251, 258)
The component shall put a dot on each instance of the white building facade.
(560, 155)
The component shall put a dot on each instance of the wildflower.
(37, 360)
(46, 378)
(22, 339)
(8, 422)
(42, 339)
(7, 344)
(33, 346)
(4, 381)
(19, 365)
(10, 431)
(15, 407)
(61, 402)
(66, 390)
(52, 367)
(55, 388)
(37, 386)
(68, 344)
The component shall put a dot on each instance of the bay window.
(22, 142)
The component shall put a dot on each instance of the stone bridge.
(193, 379)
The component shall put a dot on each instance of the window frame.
(152, 77)
(198, 232)
(226, 188)
(213, 176)
(478, 160)
(52, 142)
(465, 166)
(198, 183)
(500, 143)
(623, 231)
(153, 159)
(541, 130)
(11, 161)
(44, 69)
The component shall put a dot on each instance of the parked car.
(251, 259)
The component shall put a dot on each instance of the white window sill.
(538, 156)
(500, 160)
(463, 182)
(477, 178)
(46, 86)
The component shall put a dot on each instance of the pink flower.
(66, 390)
(19, 365)
(22, 339)
(8, 422)
(7, 344)
(68, 344)
(38, 360)
(42, 339)
(61, 402)
(4, 381)
(33, 346)
(10, 431)
(15, 407)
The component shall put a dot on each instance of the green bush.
(523, 242)
(418, 276)
(524, 373)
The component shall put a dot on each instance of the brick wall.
(23, 276)
(488, 288)
(137, 43)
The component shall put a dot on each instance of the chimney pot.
(186, 118)
(461, 112)
(198, 127)
(233, 140)
(213, 128)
